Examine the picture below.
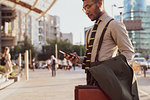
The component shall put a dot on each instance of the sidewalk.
(144, 85)
(41, 86)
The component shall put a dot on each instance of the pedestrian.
(33, 63)
(48, 64)
(74, 66)
(68, 65)
(102, 48)
(65, 64)
(53, 65)
(6, 61)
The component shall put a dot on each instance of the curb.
(6, 83)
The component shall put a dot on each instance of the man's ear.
(99, 3)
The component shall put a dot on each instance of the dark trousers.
(53, 70)
(90, 79)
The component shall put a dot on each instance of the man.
(52, 64)
(48, 64)
(115, 38)
(33, 63)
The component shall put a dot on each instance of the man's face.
(91, 9)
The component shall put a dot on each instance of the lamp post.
(56, 50)
(121, 13)
(80, 46)
(80, 49)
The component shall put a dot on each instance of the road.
(41, 86)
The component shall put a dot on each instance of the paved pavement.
(41, 86)
(144, 85)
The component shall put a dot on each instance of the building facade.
(13, 32)
(38, 32)
(49, 28)
(67, 36)
(7, 15)
(137, 10)
(25, 26)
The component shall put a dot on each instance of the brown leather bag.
(86, 92)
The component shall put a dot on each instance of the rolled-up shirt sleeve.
(121, 38)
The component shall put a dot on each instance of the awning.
(133, 25)
(35, 8)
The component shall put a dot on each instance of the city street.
(41, 86)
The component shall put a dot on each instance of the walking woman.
(7, 62)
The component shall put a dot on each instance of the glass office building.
(137, 10)
(134, 9)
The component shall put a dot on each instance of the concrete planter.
(16, 78)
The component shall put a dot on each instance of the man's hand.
(72, 57)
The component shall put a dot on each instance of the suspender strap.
(101, 40)
(87, 36)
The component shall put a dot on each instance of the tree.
(78, 49)
(65, 46)
(25, 45)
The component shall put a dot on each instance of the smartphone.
(62, 52)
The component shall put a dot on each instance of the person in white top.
(53, 65)
(48, 64)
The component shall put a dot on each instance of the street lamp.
(56, 52)
(80, 46)
(121, 13)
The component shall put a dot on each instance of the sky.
(73, 19)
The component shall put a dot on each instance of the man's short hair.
(94, 0)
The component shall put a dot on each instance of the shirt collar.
(103, 17)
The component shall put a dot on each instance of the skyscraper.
(134, 9)
(138, 10)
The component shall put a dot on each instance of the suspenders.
(100, 41)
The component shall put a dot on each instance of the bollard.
(20, 59)
(26, 65)
(144, 70)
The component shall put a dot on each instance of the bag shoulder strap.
(101, 40)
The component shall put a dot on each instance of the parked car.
(142, 61)
(42, 65)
